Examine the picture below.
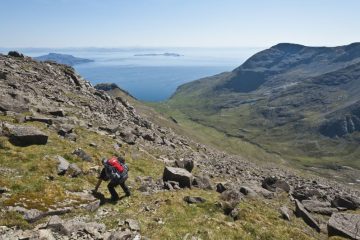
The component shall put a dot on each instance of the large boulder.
(25, 135)
(16, 54)
(315, 206)
(306, 216)
(180, 175)
(345, 225)
(347, 202)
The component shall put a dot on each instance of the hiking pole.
(97, 185)
(99, 180)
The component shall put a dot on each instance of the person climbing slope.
(116, 170)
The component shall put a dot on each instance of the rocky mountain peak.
(288, 47)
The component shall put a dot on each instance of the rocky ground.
(55, 127)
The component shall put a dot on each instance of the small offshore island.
(158, 54)
(63, 59)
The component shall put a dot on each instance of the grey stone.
(315, 206)
(262, 191)
(38, 119)
(306, 216)
(235, 214)
(57, 113)
(220, 187)
(82, 154)
(56, 224)
(45, 234)
(93, 206)
(63, 165)
(74, 170)
(186, 164)
(25, 135)
(180, 175)
(191, 200)
(168, 186)
(272, 183)
(285, 213)
(248, 192)
(33, 215)
(345, 225)
(347, 202)
(65, 129)
(305, 193)
(128, 137)
(202, 182)
(133, 225)
(121, 235)
(110, 128)
(231, 195)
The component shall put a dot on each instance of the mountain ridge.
(289, 92)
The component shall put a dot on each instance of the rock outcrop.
(345, 225)
(25, 135)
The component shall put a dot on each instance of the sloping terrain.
(54, 130)
(299, 102)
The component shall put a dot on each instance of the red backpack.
(116, 170)
(115, 163)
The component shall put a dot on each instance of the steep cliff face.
(342, 122)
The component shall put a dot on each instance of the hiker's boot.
(114, 198)
(114, 195)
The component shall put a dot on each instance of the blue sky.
(177, 23)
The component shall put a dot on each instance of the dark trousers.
(112, 184)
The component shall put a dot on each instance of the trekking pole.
(97, 185)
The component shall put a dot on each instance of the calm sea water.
(152, 78)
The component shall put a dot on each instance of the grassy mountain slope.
(103, 125)
(299, 102)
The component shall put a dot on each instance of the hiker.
(116, 170)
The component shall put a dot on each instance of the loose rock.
(180, 175)
(306, 216)
(191, 200)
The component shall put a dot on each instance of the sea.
(147, 77)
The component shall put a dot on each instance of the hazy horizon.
(177, 23)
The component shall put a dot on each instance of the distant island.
(158, 54)
(63, 59)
